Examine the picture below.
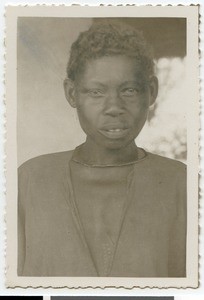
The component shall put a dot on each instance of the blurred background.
(45, 121)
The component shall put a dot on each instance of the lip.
(114, 133)
(112, 126)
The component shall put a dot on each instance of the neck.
(93, 154)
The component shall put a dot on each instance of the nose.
(114, 105)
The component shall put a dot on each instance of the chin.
(115, 145)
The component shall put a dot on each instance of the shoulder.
(164, 161)
(167, 177)
(45, 163)
(165, 166)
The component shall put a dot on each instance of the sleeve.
(22, 190)
(177, 247)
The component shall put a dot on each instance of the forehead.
(110, 69)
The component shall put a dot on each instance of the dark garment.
(56, 237)
(101, 196)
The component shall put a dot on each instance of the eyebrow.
(130, 81)
(123, 83)
(139, 81)
(94, 82)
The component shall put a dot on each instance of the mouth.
(114, 133)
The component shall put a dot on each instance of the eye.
(129, 92)
(96, 93)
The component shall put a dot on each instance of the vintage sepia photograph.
(104, 160)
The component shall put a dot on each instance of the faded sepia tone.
(116, 205)
(44, 54)
(111, 123)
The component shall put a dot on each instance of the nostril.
(114, 108)
(114, 111)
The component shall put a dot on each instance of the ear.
(69, 90)
(153, 87)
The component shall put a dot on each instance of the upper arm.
(177, 241)
(22, 191)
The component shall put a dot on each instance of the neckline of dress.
(71, 201)
(145, 155)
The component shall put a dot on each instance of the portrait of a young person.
(107, 208)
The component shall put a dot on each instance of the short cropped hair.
(106, 39)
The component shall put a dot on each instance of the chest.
(119, 223)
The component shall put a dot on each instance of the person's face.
(112, 97)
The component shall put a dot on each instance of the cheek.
(139, 115)
(88, 116)
(139, 110)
